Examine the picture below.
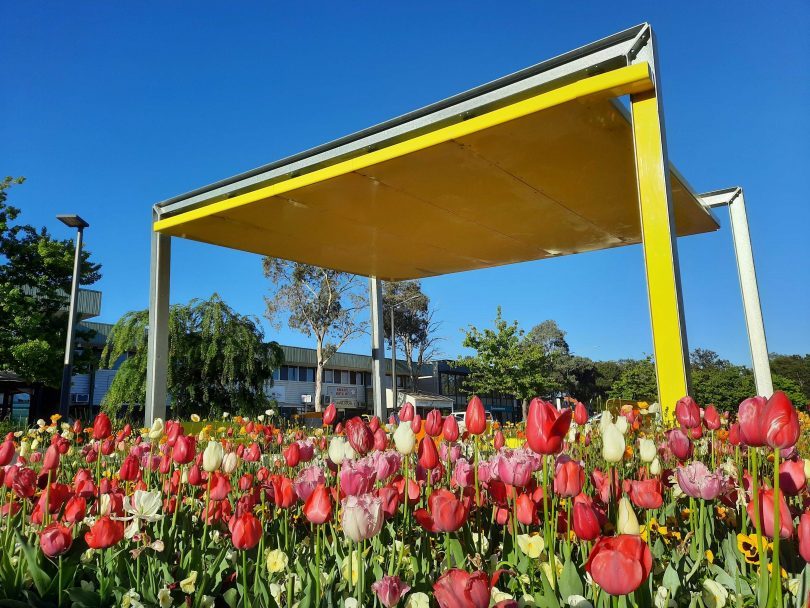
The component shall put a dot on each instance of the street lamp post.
(72, 221)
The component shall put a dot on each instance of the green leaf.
(231, 597)
(41, 580)
(671, 580)
(570, 580)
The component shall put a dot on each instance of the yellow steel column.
(660, 253)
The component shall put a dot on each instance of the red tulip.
(284, 495)
(390, 500)
(687, 412)
(106, 532)
(219, 486)
(734, 437)
(459, 589)
(380, 439)
(23, 482)
(586, 520)
(476, 417)
(780, 422)
(433, 423)
(359, 435)
(102, 427)
(580, 413)
(55, 540)
(499, 440)
(804, 536)
(329, 414)
(406, 412)
(292, 454)
(318, 507)
(7, 450)
(428, 454)
(450, 428)
(445, 512)
(679, 444)
(185, 449)
(646, 494)
(569, 478)
(767, 511)
(546, 427)
(416, 423)
(75, 510)
(246, 530)
(51, 460)
(619, 564)
(791, 477)
(130, 468)
(526, 510)
(750, 417)
(711, 418)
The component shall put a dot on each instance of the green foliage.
(795, 368)
(218, 360)
(636, 382)
(505, 363)
(36, 271)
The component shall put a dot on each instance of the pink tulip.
(679, 444)
(386, 463)
(569, 477)
(389, 590)
(357, 477)
(767, 511)
(307, 480)
(791, 477)
(362, 517)
(515, 467)
(697, 481)
(687, 412)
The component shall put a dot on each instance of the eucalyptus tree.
(414, 325)
(320, 303)
(218, 360)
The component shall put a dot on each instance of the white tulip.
(156, 432)
(404, 438)
(212, 456)
(621, 424)
(612, 444)
(646, 450)
(337, 450)
(626, 521)
(229, 463)
(655, 466)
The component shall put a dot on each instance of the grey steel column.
(734, 199)
(67, 368)
(377, 348)
(158, 339)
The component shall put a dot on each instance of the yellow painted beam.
(660, 254)
(632, 79)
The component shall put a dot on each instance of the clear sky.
(109, 107)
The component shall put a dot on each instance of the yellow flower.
(276, 561)
(531, 545)
(55, 417)
(344, 568)
(195, 417)
(747, 545)
(709, 556)
(189, 584)
(783, 571)
(713, 594)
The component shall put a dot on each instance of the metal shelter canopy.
(515, 172)
(541, 163)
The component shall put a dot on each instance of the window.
(367, 378)
(276, 374)
(306, 374)
(284, 370)
(328, 376)
(292, 373)
(344, 377)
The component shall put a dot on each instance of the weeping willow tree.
(218, 361)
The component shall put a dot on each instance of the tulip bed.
(618, 510)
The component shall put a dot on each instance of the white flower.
(275, 592)
(496, 595)
(714, 595)
(212, 456)
(225, 414)
(527, 601)
(646, 450)
(276, 561)
(230, 462)
(131, 600)
(404, 438)
(655, 467)
(189, 584)
(340, 450)
(144, 505)
(260, 417)
(621, 424)
(207, 601)
(531, 545)
(578, 601)
(626, 522)
(612, 443)
(87, 586)
(417, 600)
(350, 603)
(662, 599)
(164, 597)
(156, 432)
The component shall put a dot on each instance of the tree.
(795, 368)
(36, 271)
(636, 382)
(218, 360)
(318, 302)
(505, 363)
(413, 324)
(704, 359)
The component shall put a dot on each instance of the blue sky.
(109, 107)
